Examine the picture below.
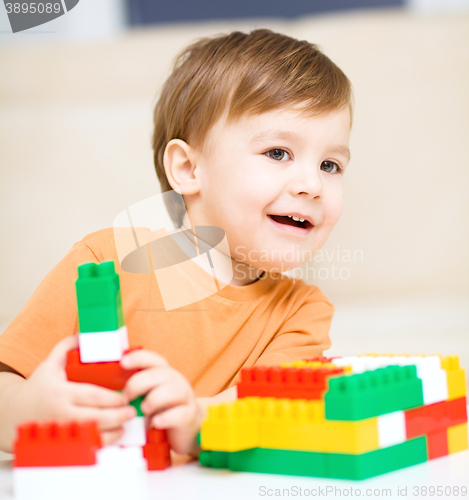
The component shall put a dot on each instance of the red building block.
(156, 451)
(106, 374)
(321, 359)
(52, 444)
(436, 417)
(277, 382)
(437, 444)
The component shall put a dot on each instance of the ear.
(180, 167)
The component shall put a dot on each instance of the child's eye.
(277, 154)
(328, 166)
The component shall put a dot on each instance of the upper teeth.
(295, 218)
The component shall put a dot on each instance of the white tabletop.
(187, 481)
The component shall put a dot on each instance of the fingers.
(145, 380)
(166, 396)
(178, 416)
(94, 395)
(106, 418)
(58, 355)
(142, 358)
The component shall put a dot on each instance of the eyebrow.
(291, 136)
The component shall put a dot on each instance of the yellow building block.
(231, 426)
(301, 425)
(457, 438)
(455, 375)
(284, 424)
(308, 364)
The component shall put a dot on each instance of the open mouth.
(290, 221)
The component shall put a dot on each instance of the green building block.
(373, 393)
(99, 298)
(293, 463)
(373, 463)
(214, 459)
(136, 403)
(326, 465)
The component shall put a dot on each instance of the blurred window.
(162, 11)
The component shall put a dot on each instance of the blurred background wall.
(76, 98)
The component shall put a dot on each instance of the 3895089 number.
(33, 8)
(440, 491)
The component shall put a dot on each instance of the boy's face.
(262, 169)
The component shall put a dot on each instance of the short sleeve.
(304, 335)
(48, 316)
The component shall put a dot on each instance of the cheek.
(333, 207)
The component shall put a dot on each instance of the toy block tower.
(103, 335)
(344, 418)
(67, 460)
(103, 341)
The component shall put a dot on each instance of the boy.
(253, 131)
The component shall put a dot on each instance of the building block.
(395, 412)
(301, 425)
(231, 426)
(136, 403)
(373, 463)
(327, 465)
(308, 364)
(437, 444)
(124, 471)
(99, 298)
(135, 432)
(321, 359)
(455, 375)
(156, 451)
(119, 474)
(290, 382)
(53, 444)
(434, 380)
(105, 374)
(373, 393)
(295, 463)
(391, 429)
(457, 438)
(429, 370)
(285, 424)
(215, 459)
(354, 363)
(98, 347)
(432, 418)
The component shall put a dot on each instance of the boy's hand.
(170, 401)
(48, 395)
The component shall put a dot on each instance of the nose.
(306, 182)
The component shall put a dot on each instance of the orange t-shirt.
(271, 321)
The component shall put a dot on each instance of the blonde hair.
(241, 74)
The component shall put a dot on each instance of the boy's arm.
(9, 380)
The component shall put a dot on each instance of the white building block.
(434, 379)
(357, 363)
(103, 346)
(391, 429)
(125, 470)
(435, 387)
(135, 432)
(120, 474)
(371, 362)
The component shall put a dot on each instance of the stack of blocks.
(345, 418)
(76, 447)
